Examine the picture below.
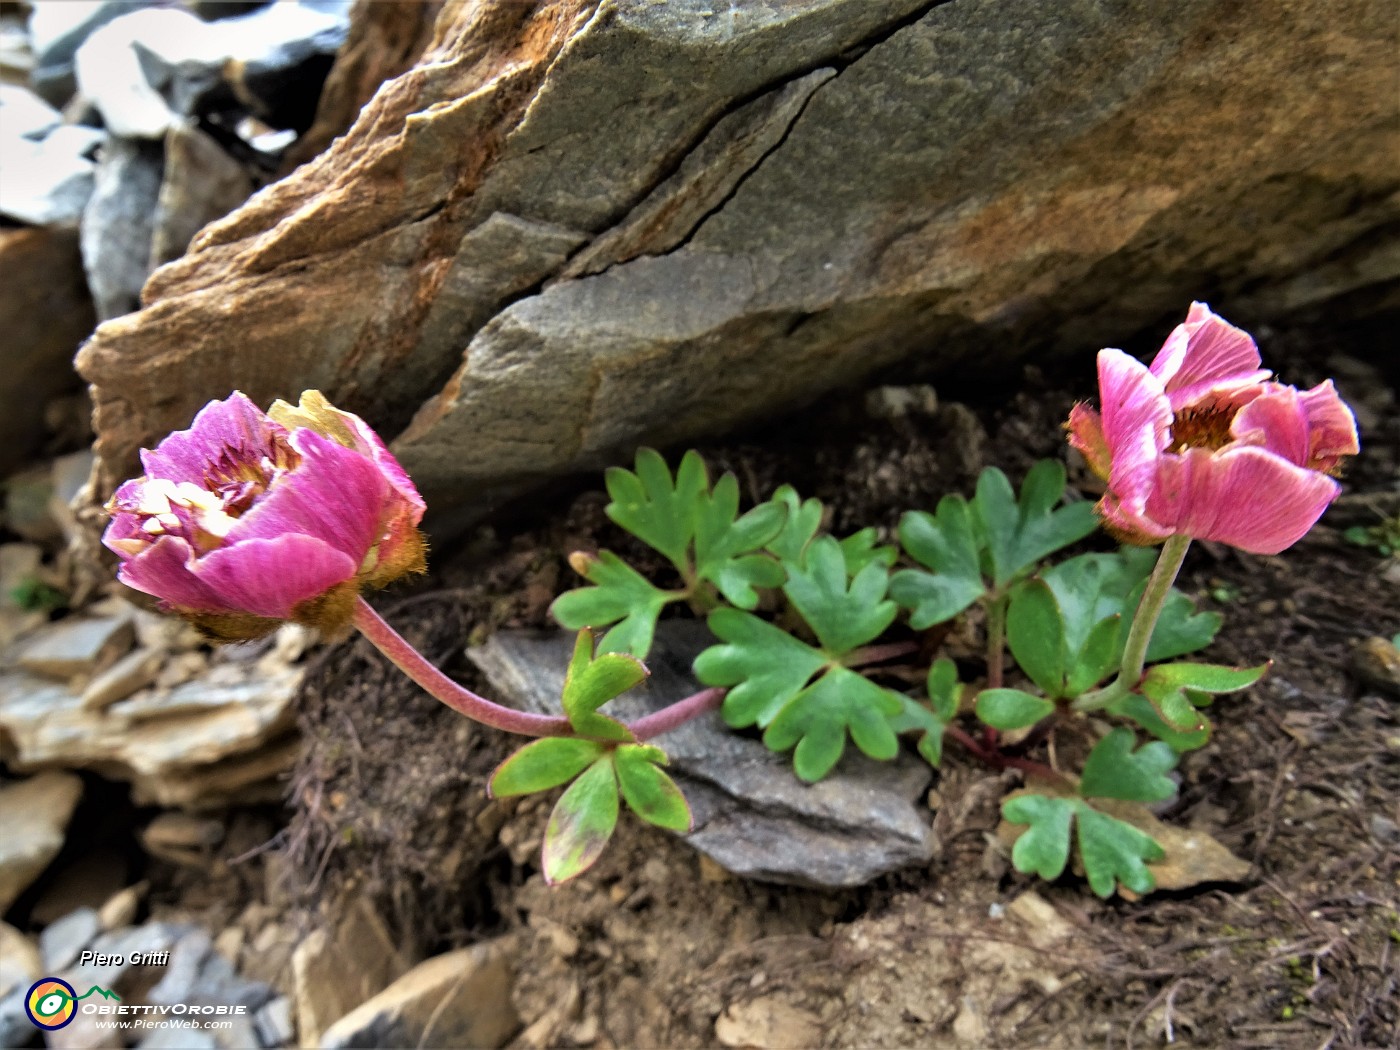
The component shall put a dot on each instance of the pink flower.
(1202, 444)
(246, 519)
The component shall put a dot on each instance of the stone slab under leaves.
(752, 815)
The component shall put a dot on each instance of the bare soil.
(657, 948)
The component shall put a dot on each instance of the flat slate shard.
(752, 815)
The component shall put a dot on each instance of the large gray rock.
(45, 312)
(34, 814)
(225, 736)
(25, 115)
(147, 68)
(581, 226)
(201, 183)
(341, 965)
(118, 223)
(79, 645)
(198, 975)
(57, 31)
(64, 938)
(752, 814)
(459, 999)
(47, 177)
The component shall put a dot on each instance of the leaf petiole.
(997, 760)
(875, 654)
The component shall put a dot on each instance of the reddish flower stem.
(462, 700)
(458, 697)
(677, 714)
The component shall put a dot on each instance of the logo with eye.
(51, 1003)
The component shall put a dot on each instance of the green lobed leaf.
(914, 717)
(764, 666)
(738, 578)
(655, 507)
(1089, 589)
(1205, 678)
(803, 518)
(1043, 848)
(1114, 770)
(946, 544)
(1198, 698)
(1097, 658)
(818, 719)
(1111, 850)
(582, 822)
(998, 519)
(1011, 708)
(1020, 533)
(1042, 488)
(844, 612)
(944, 689)
(1114, 851)
(1045, 527)
(591, 682)
(1181, 629)
(649, 792)
(619, 595)
(1140, 710)
(543, 764)
(725, 543)
(931, 719)
(1093, 587)
(861, 549)
(1035, 633)
(1172, 706)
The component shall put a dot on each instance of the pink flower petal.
(164, 569)
(334, 494)
(1331, 427)
(369, 443)
(235, 424)
(1085, 428)
(400, 544)
(271, 577)
(1128, 524)
(1274, 420)
(1206, 355)
(124, 524)
(314, 412)
(1247, 497)
(1136, 420)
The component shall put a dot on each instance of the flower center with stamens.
(203, 514)
(1205, 427)
(239, 476)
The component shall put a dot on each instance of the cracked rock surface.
(575, 226)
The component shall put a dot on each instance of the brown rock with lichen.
(573, 227)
